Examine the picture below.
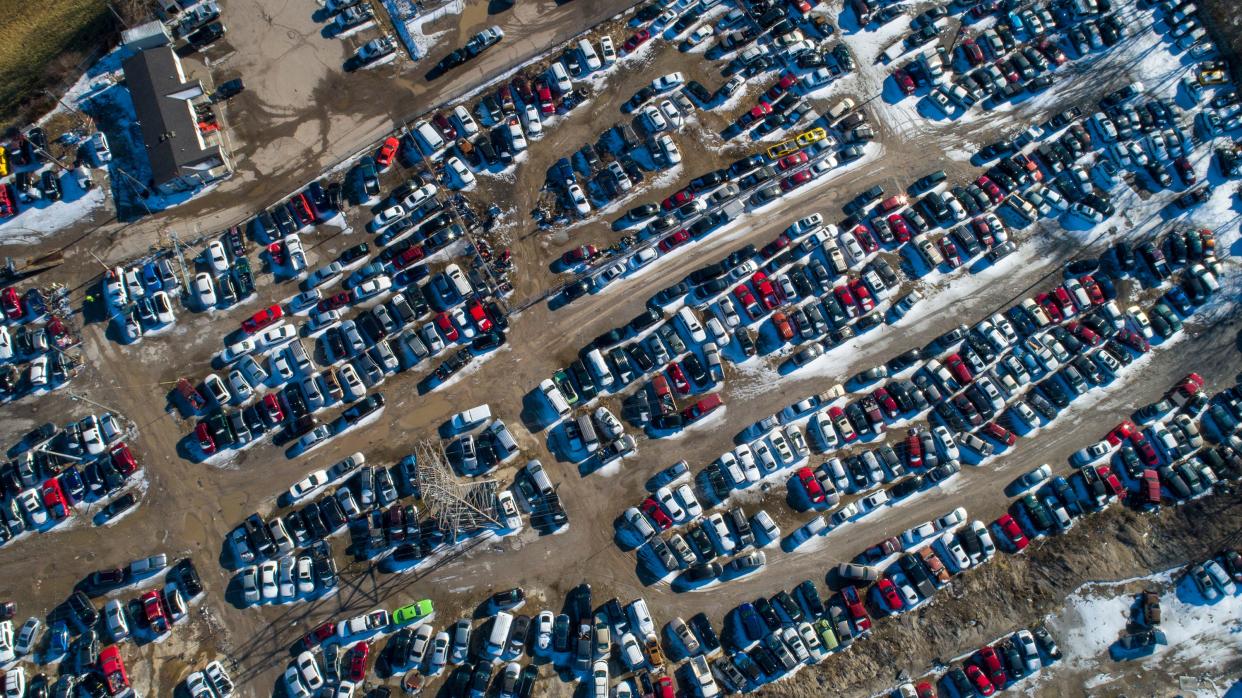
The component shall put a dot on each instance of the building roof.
(162, 95)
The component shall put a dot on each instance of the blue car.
(58, 639)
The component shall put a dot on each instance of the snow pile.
(411, 22)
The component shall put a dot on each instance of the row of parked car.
(34, 344)
(76, 629)
(55, 470)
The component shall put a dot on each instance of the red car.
(756, 113)
(123, 459)
(447, 328)
(674, 241)
(12, 304)
(358, 662)
(1121, 432)
(914, 450)
(974, 54)
(989, 187)
(854, 605)
(276, 251)
(7, 199)
(1185, 170)
(113, 669)
(783, 328)
(904, 81)
(901, 231)
(1193, 378)
(846, 299)
(990, 662)
(54, 499)
(271, 408)
(1146, 452)
(679, 378)
(336, 301)
(949, 251)
(747, 300)
(1110, 479)
(1011, 532)
(886, 402)
(813, 491)
(888, 592)
(449, 131)
(262, 319)
(153, 611)
(791, 161)
(981, 682)
(664, 688)
(702, 408)
(408, 256)
(865, 239)
(1064, 301)
(546, 103)
(767, 292)
(861, 295)
(1094, 292)
(1046, 302)
(1135, 341)
(652, 508)
(842, 423)
(797, 180)
(205, 442)
(959, 369)
(682, 197)
(640, 37)
(579, 255)
(1000, 433)
(1084, 333)
(925, 690)
(387, 151)
(479, 315)
(983, 232)
(1149, 487)
(317, 636)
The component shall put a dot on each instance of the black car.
(49, 184)
(206, 35)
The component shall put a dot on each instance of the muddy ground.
(189, 506)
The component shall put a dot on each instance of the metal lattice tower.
(459, 508)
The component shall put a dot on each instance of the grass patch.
(42, 43)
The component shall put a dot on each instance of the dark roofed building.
(182, 157)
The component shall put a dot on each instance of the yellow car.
(808, 137)
(4, 162)
(1213, 76)
(780, 150)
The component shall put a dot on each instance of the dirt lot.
(304, 113)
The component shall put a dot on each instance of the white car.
(693, 509)
(667, 82)
(275, 336)
(115, 620)
(217, 257)
(205, 287)
(310, 483)
(373, 287)
(579, 199)
(665, 497)
(462, 173)
(91, 438)
(951, 519)
(27, 636)
(544, 623)
(250, 585)
(309, 671)
(762, 522)
(653, 119)
(28, 501)
(268, 587)
(387, 217)
(293, 684)
(303, 576)
(6, 642)
(163, 308)
(530, 117)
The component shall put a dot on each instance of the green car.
(413, 612)
(561, 380)
(824, 628)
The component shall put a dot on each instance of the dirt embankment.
(1015, 591)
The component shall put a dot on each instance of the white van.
(590, 59)
(539, 476)
(503, 437)
(595, 360)
(692, 324)
(500, 634)
(429, 140)
(560, 78)
(589, 438)
(554, 397)
(458, 279)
